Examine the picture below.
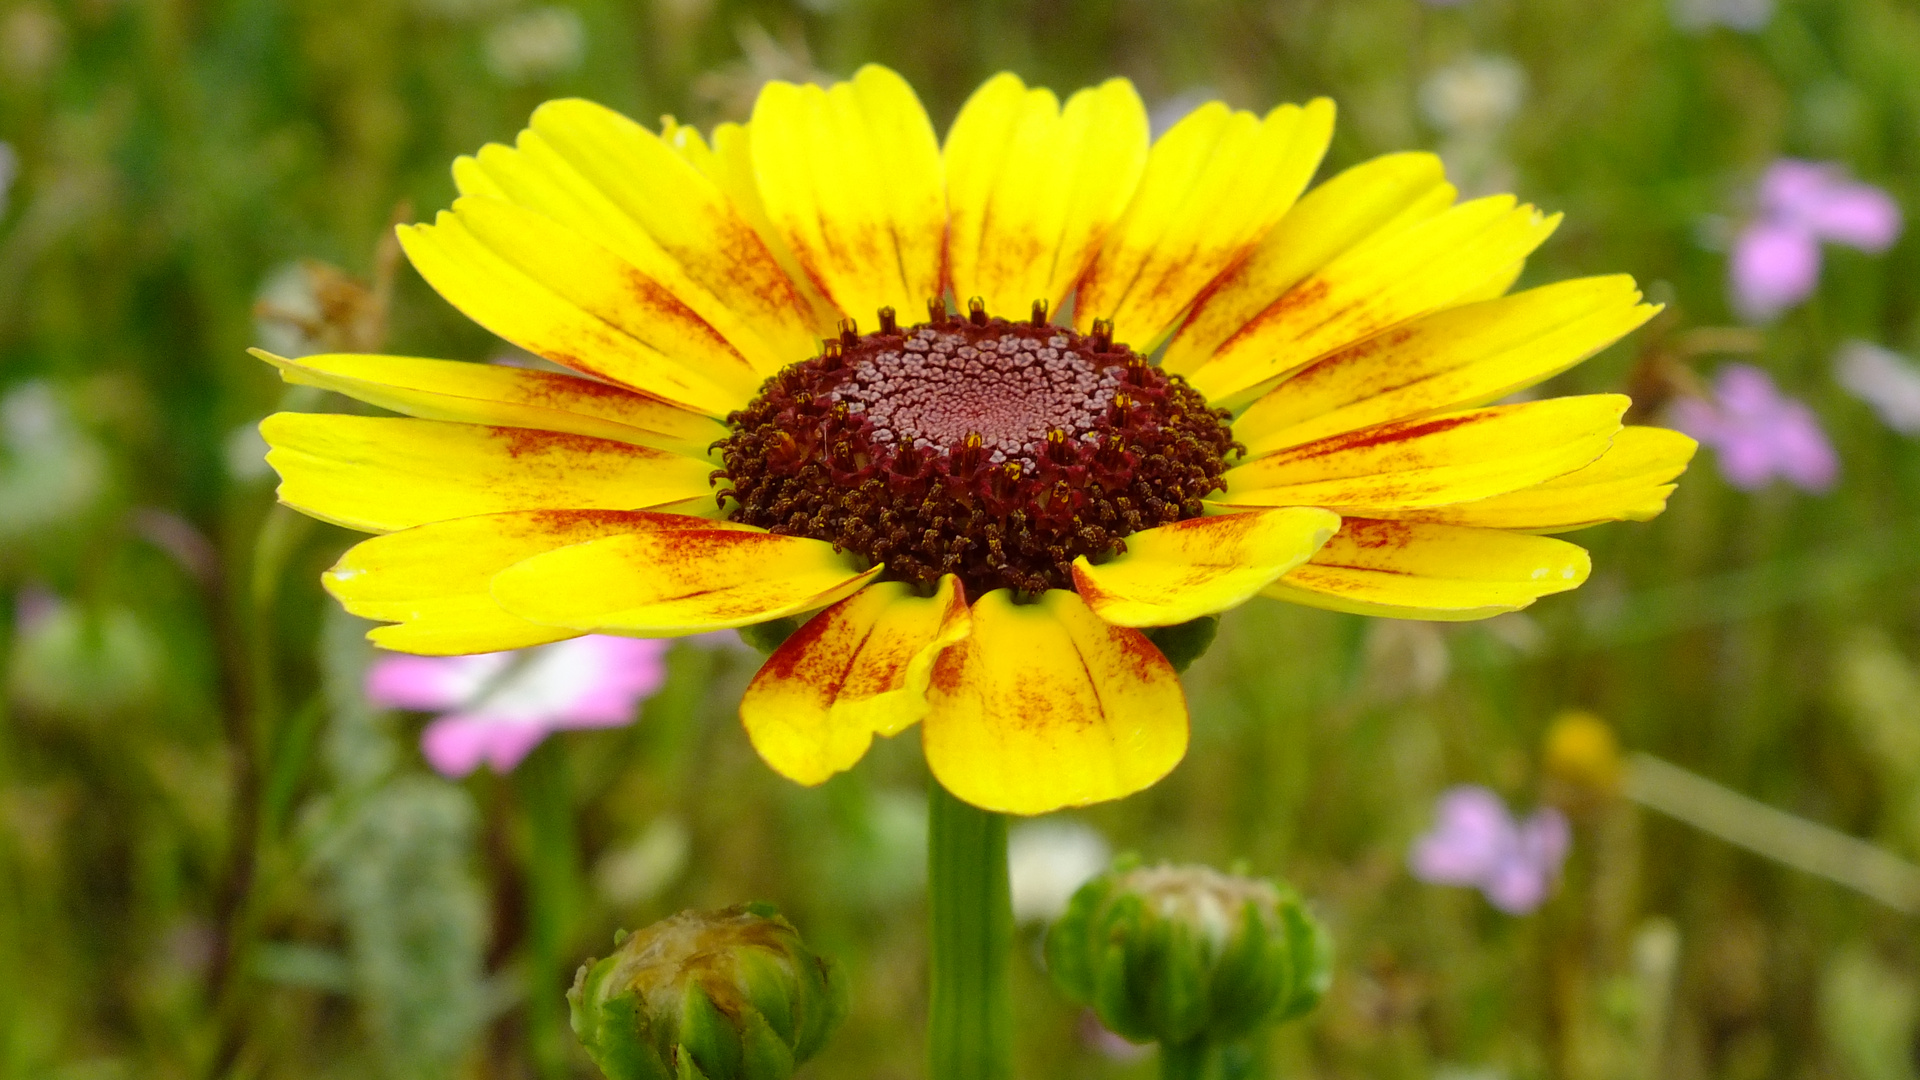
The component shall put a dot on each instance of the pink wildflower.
(1759, 433)
(1776, 259)
(496, 707)
(1475, 842)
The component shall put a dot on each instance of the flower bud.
(707, 995)
(1184, 953)
(1583, 758)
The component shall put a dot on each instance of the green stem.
(970, 1030)
(1187, 1061)
(552, 902)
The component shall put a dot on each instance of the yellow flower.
(978, 510)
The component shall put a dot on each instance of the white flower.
(50, 470)
(1884, 380)
(1747, 15)
(536, 45)
(9, 171)
(1048, 861)
(1475, 96)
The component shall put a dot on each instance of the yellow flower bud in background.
(1582, 756)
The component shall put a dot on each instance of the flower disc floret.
(997, 451)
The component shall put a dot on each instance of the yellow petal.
(433, 581)
(1408, 570)
(665, 584)
(605, 177)
(856, 670)
(1630, 482)
(1045, 706)
(1213, 186)
(1401, 276)
(708, 227)
(1200, 566)
(1495, 286)
(1370, 200)
(380, 474)
(1032, 189)
(728, 162)
(575, 303)
(1453, 359)
(1455, 457)
(851, 180)
(504, 397)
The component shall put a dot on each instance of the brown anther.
(909, 447)
(1039, 313)
(1102, 335)
(849, 333)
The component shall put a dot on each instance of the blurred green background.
(216, 860)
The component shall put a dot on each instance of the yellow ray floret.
(1201, 566)
(851, 179)
(672, 583)
(1409, 570)
(856, 670)
(1044, 705)
(575, 304)
(1032, 189)
(728, 162)
(1368, 201)
(1454, 457)
(378, 474)
(504, 397)
(1453, 359)
(1398, 277)
(1630, 482)
(1214, 185)
(434, 582)
(607, 178)
(567, 214)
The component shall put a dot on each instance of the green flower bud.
(707, 995)
(1176, 954)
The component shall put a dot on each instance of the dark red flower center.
(999, 451)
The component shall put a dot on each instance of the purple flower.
(1776, 259)
(1476, 842)
(496, 707)
(1759, 433)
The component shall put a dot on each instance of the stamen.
(849, 333)
(998, 451)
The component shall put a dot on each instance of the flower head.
(1171, 954)
(1758, 432)
(496, 707)
(1475, 842)
(1776, 259)
(977, 511)
(732, 994)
